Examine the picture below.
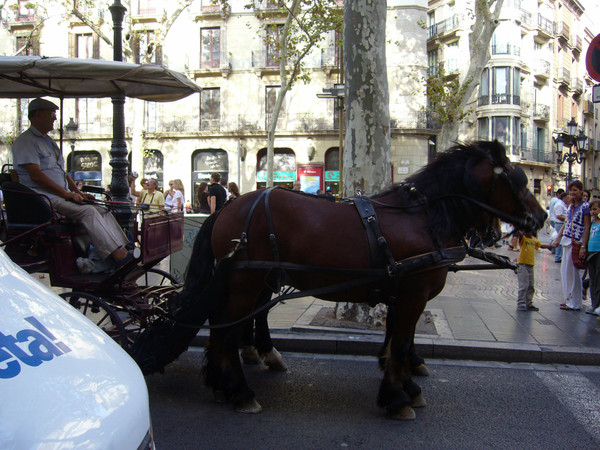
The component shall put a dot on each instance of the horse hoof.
(252, 407)
(274, 361)
(406, 413)
(418, 401)
(219, 397)
(250, 355)
(420, 371)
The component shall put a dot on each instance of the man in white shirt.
(39, 164)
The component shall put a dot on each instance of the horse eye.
(498, 170)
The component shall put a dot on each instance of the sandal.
(568, 308)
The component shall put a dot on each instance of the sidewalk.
(475, 317)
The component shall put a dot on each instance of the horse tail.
(166, 340)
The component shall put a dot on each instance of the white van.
(63, 382)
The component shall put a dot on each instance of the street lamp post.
(71, 129)
(338, 92)
(575, 142)
(118, 151)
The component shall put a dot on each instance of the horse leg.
(269, 354)
(223, 369)
(249, 354)
(398, 393)
(417, 364)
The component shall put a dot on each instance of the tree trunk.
(367, 159)
(486, 22)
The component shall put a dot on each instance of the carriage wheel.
(158, 277)
(100, 313)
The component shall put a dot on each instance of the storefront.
(85, 166)
(332, 171)
(284, 168)
(204, 163)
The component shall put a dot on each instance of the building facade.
(223, 129)
(534, 83)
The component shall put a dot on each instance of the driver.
(40, 166)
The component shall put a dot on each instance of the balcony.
(565, 34)
(525, 17)
(542, 69)
(541, 112)
(577, 86)
(501, 99)
(537, 155)
(546, 28)
(578, 47)
(483, 100)
(443, 28)
(588, 108)
(563, 77)
(220, 66)
(506, 49)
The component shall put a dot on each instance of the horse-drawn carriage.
(123, 301)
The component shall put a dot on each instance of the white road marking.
(579, 395)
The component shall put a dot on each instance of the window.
(85, 111)
(146, 7)
(516, 86)
(501, 84)
(516, 140)
(210, 48)
(151, 116)
(153, 166)
(210, 109)
(273, 33)
(451, 57)
(25, 11)
(484, 88)
(270, 100)
(432, 62)
(500, 129)
(483, 132)
(28, 46)
(284, 167)
(146, 49)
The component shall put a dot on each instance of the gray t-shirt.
(32, 147)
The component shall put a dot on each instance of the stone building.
(534, 83)
(223, 129)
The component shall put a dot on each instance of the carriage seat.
(27, 209)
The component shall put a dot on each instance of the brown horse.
(394, 247)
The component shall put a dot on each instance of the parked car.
(64, 382)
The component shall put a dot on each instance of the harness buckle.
(371, 219)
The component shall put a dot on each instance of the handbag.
(577, 261)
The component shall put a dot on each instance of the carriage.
(121, 302)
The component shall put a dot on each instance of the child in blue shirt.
(594, 258)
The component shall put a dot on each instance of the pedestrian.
(223, 183)
(560, 215)
(573, 234)
(175, 196)
(202, 199)
(234, 191)
(525, 271)
(216, 193)
(551, 216)
(152, 197)
(594, 258)
(39, 164)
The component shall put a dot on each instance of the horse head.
(507, 194)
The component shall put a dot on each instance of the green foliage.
(445, 94)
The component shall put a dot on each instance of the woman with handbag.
(573, 237)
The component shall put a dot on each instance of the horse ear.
(498, 152)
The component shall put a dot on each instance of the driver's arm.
(44, 181)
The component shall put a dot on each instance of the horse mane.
(451, 173)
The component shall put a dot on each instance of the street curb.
(322, 341)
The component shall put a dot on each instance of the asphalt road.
(329, 402)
